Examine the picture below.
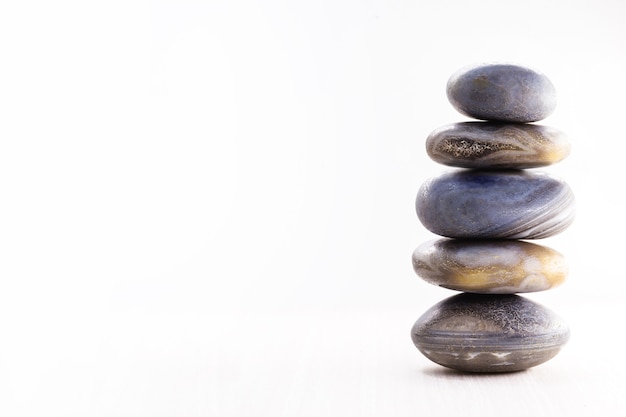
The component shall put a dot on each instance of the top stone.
(502, 92)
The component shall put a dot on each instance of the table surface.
(350, 363)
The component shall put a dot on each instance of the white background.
(207, 206)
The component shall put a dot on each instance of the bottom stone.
(489, 333)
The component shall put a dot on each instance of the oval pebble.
(489, 333)
(489, 266)
(495, 204)
(503, 92)
(497, 145)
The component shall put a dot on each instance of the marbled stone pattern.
(503, 92)
(497, 145)
(489, 266)
(495, 204)
(489, 333)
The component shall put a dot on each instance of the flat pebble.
(497, 145)
(489, 266)
(495, 204)
(503, 92)
(489, 333)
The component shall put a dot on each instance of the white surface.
(207, 206)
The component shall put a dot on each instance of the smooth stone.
(495, 204)
(497, 145)
(504, 92)
(489, 266)
(489, 333)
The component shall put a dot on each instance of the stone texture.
(502, 92)
(489, 333)
(489, 266)
(495, 204)
(496, 145)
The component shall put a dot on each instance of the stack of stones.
(485, 208)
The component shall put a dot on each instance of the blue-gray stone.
(489, 333)
(502, 92)
(495, 204)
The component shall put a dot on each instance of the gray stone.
(502, 92)
(489, 333)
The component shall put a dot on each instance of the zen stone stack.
(482, 209)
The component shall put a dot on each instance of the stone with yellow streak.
(489, 266)
(496, 145)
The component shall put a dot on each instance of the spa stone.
(489, 333)
(495, 204)
(502, 92)
(489, 266)
(497, 145)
